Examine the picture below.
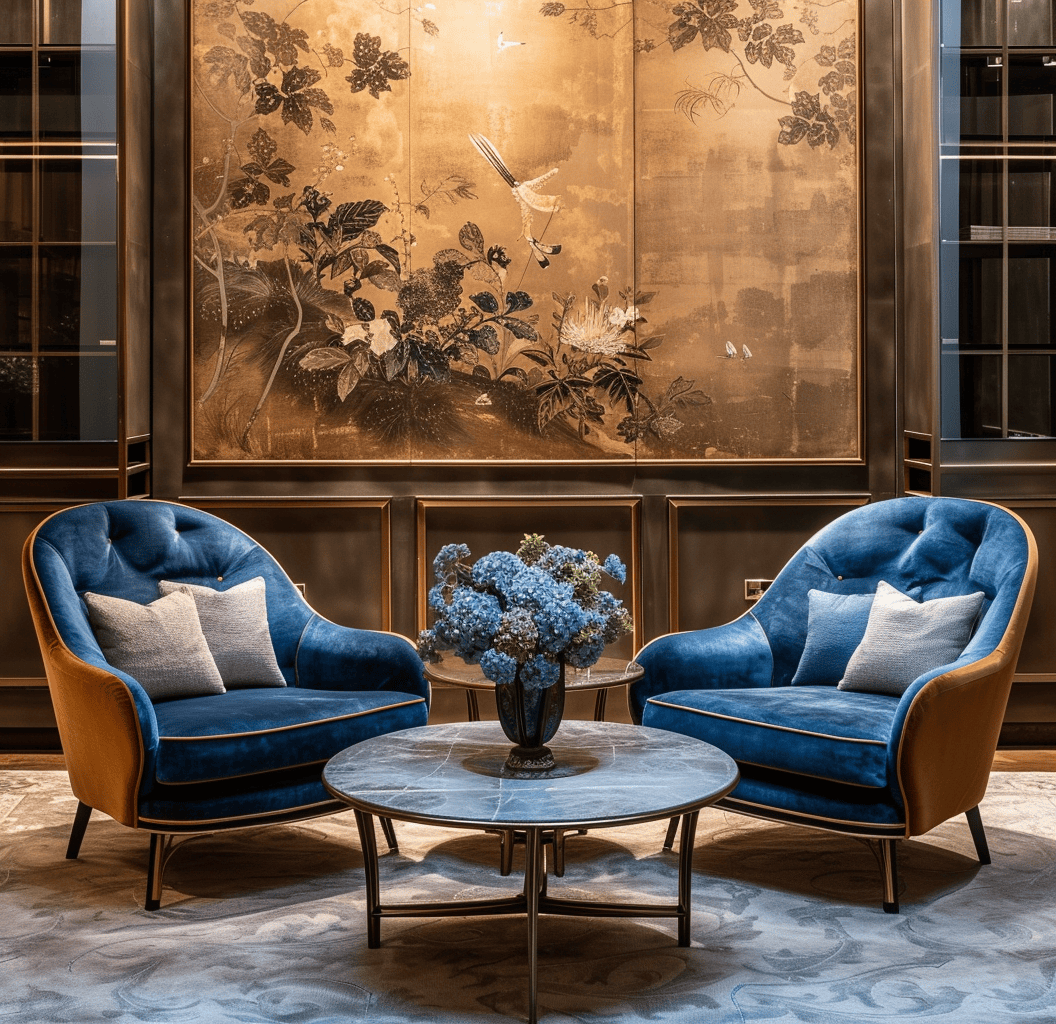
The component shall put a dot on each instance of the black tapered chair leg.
(975, 823)
(80, 823)
(155, 869)
(390, 834)
(889, 869)
(672, 829)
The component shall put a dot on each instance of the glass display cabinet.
(74, 231)
(997, 218)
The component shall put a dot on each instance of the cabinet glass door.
(997, 216)
(58, 220)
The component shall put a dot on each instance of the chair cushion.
(835, 627)
(818, 731)
(905, 638)
(160, 644)
(249, 731)
(235, 625)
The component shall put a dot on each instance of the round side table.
(607, 774)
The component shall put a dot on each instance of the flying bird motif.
(505, 44)
(731, 352)
(528, 199)
(746, 352)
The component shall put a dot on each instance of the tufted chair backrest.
(926, 547)
(124, 548)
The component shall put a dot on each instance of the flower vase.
(530, 718)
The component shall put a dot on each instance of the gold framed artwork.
(515, 232)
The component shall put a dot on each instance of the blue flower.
(616, 569)
(497, 570)
(538, 673)
(500, 668)
(446, 562)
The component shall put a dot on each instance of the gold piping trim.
(279, 816)
(764, 725)
(797, 814)
(287, 728)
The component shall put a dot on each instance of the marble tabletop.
(608, 773)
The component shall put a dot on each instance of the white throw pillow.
(235, 624)
(160, 644)
(906, 638)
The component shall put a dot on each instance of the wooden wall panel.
(339, 550)
(718, 543)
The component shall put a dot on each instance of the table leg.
(599, 705)
(685, 874)
(532, 862)
(369, 844)
(472, 708)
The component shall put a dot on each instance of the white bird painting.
(505, 44)
(527, 196)
(746, 352)
(731, 352)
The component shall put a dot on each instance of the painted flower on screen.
(378, 334)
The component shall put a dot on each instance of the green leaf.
(347, 380)
(324, 359)
(518, 328)
(364, 310)
(354, 218)
(486, 338)
(387, 252)
(225, 63)
(471, 238)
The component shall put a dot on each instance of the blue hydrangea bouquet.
(522, 617)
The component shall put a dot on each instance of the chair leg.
(155, 869)
(672, 829)
(390, 834)
(975, 823)
(889, 869)
(80, 823)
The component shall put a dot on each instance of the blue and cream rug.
(267, 925)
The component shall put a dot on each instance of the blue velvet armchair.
(862, 762)
(241, 757)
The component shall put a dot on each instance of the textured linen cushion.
(835, 627)
(905, 638)
(235, 624)
(160, 644)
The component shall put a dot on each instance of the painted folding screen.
(525, 232)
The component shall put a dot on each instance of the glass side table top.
(603, 673)
(602, 676)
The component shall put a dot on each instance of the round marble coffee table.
(604, 674)
(608, 774)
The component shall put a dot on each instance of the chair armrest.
(333, 657)
(736, 654)
(108, 730)
(944, 750)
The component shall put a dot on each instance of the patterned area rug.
(267, 924)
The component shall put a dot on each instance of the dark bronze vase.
(530, 718)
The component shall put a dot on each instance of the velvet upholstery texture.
(202, 763)
(836, 624)
(865, 763)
